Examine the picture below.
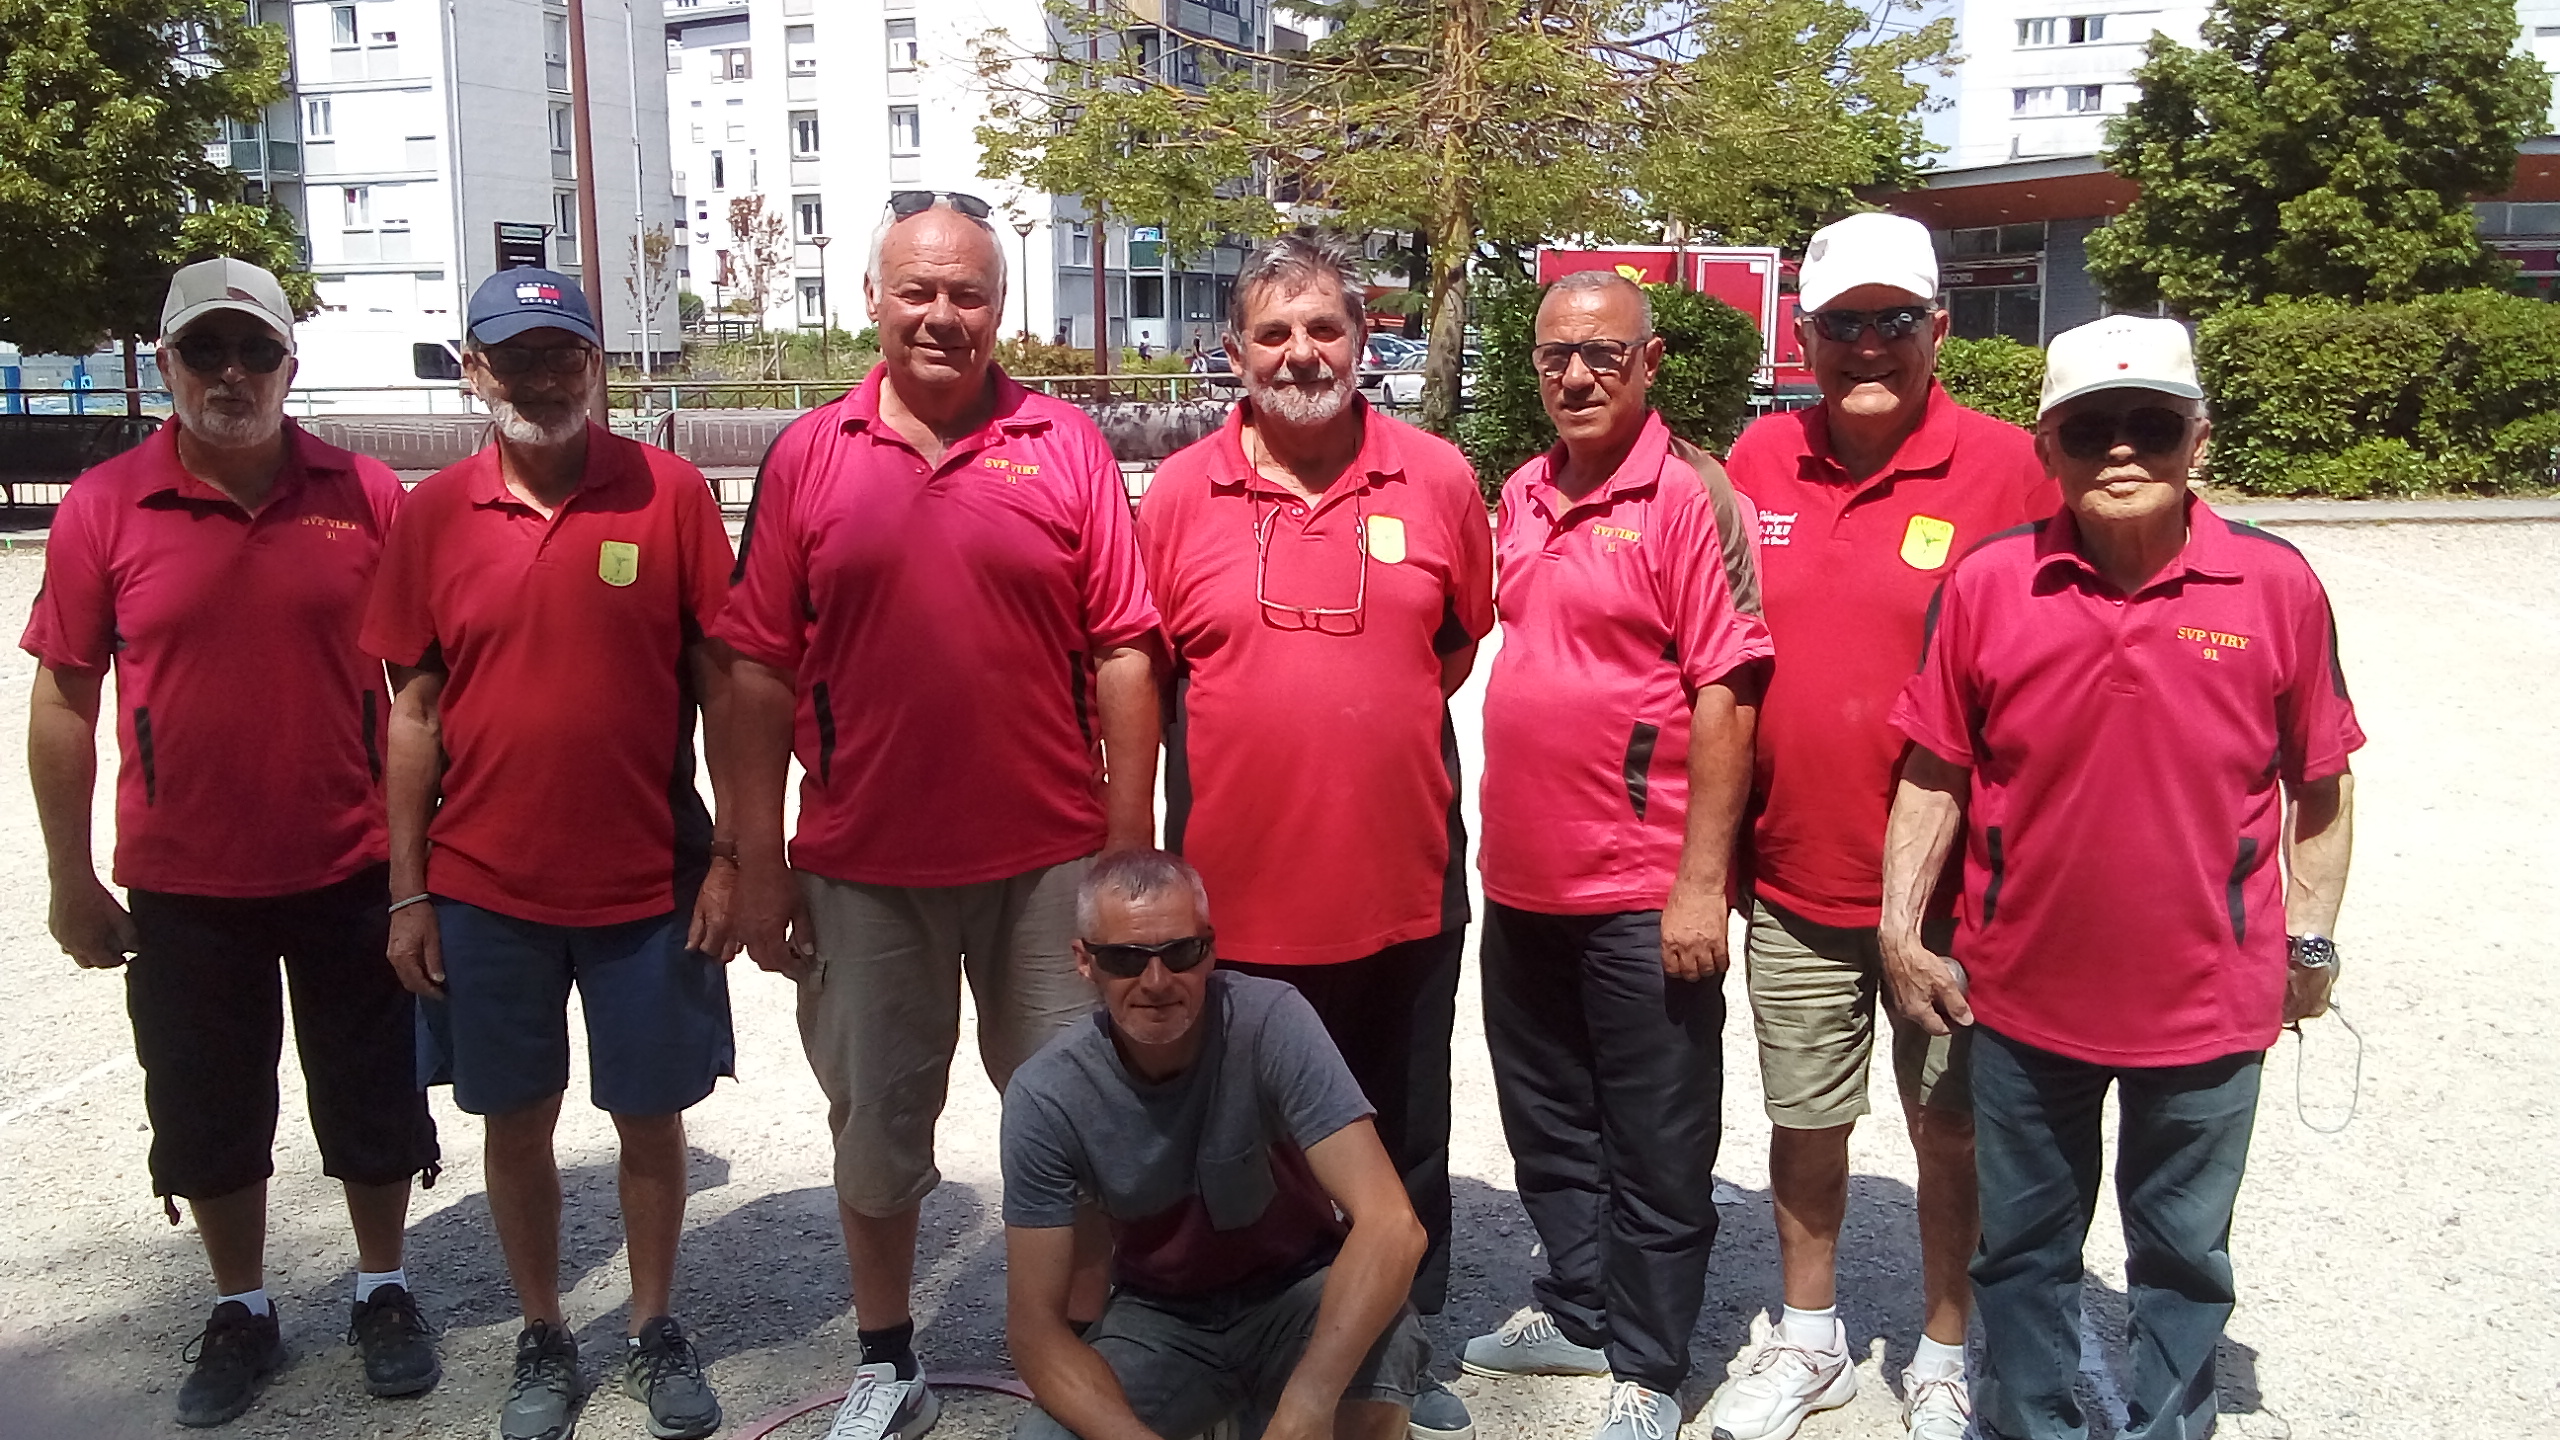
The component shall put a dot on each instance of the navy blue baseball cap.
(511, 302)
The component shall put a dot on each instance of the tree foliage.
(764, 254)
(2319, 147)
(107, 108)
(1995, 375)
(1469, 124)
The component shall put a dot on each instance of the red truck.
(1753, 279)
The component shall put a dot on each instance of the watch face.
(2314, 950)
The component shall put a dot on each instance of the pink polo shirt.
(2123, 896)
(249, 721)
(943, 622)
(1615, 611)
(1313, 774)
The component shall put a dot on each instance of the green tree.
(2319, 147)
(107, 108)
(1475, 126)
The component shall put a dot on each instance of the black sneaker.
(399, 1350)
(236, 1352)
(542, 1403)
(660, 1371)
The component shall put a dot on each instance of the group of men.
(1225, 1150)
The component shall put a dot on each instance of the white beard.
(523, 430)
(1300, 404)
(226, 431)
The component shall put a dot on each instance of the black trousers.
(1390, 1015)
(1610, 1077)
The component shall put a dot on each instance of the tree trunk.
(1453, 239)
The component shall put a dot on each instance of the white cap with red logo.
(2121, 352)
(225, 284)
(1871, 249)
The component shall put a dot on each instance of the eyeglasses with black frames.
(1128, 961)
(211, 354)
(1600, 357)
(2149, 429)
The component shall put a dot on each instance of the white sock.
(367, 1281)
(256, 1300)
(1934, 1361)
(1812, 1329)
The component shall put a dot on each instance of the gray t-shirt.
(1203, 1177)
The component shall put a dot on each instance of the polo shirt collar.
(1929, 449)
(2209, 554)
(1381, 457)
(608, 465)
(304, 457)
(1638, 474)
(861, 412)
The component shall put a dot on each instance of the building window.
(675, 56)
(719, 171)
(697, 134)
(906, 130)
(813, 215)
(564, 130)
(813, 302)
(2088, 29)
(732, 63)
(902, 44)
(2084, 99)
(2031, 100)
(382, 37)
(342, 26)
(356, 202)
(1079, 245)
(555, 51)
(1146, 297)
(804, 132)
(316, 119)
(2063, 30)
(564, 213)
(800, 47)
(2035, 32)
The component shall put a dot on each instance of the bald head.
(936, 290)
(942, 234)
(1605, 294)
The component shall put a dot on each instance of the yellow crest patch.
(1926, 543)
(1386, 539)
(618, 562)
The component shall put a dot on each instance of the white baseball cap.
(2121, 352)
(1870, 249)
(225, 284)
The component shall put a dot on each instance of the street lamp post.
(821, 242)
(1022, 226)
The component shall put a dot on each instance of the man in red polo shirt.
(1325, 574)
(220, 571)
(1617, 742)
(2127, 711)
(542, 605)
(1864, 501)
(940, 608)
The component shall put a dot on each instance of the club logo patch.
(618, 562)
(1926, 542)
(1386, 539)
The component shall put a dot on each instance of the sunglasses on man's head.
(2149, 429)
(906, 203)
(1845, 326)
(1129, 961)
(514, 360)
(211, 354)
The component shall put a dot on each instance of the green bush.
(1997, 376)
(1710, 353)
(2445, 392)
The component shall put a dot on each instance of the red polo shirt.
(249, 721)
(2123, 897)
(1616, 610)
(1308, 780)
(944, 622)
(1847, 568)
(567, 712)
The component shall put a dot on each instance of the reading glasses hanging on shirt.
(1324, 619)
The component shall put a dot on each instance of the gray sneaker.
(1438, 1414)
(660, 1371)
(1636, 1413)
(1530, 1344)
(542, 1402)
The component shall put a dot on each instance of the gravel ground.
(2397, 1276)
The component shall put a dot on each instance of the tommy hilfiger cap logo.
(537, 293)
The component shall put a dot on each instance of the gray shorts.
(1815, 990)
(1186, 1366)
(880, 1010)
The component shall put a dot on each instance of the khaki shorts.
(1814, 994)
(880, 1010)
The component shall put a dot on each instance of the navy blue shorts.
(658, 1032)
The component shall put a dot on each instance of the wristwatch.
(2313, 952)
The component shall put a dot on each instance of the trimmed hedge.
(2445, 392)
(1710, 353)
(1998, 376)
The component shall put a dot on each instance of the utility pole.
(1101, 232)
(640, 286)
(590, 251)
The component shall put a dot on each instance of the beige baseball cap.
(2120, 352)
(225, 284)
(1871, 249)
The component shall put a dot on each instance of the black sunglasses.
(1600, 357)
(1845, 326)
(2149, 429)
(1128, 962)
(906, 203)
(211, 354)
(514, 360)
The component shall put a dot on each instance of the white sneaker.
(1940, 1409)
(1784, 1383)
(1636, 1413)
(880, 1406)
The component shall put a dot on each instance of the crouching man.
(1210, 1119)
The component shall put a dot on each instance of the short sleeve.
(399, 619)
(702, 545)
(1039, 1172)
(2315, 721)
(764, 616)
(1710, 635)
(73, 625)
(1118, 607)
(1304, 1080)
(1937, 707)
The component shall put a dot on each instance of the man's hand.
(1290, 1421)
(1693, 933)
(417, 951)
(2306, 991)
(89, 925)
(773, 917)
(1925, 988)
(714, 932)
